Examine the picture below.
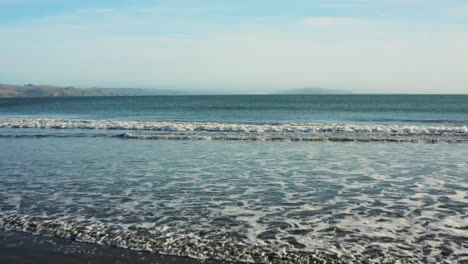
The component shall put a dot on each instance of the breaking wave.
(178, 130)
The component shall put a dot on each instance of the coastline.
(21, 248)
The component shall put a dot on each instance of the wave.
(178, 130)
(291, 138)
(229, 127)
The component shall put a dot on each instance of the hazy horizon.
(285, 91)
(241, 47)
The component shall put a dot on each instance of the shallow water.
(247, 201)
(273, 179)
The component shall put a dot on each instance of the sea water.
(280, 179)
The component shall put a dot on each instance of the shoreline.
(20, 248)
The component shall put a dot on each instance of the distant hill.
(315, 91)
(30, 90)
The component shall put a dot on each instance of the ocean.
(251, 178)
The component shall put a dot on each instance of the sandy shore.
(22, 248)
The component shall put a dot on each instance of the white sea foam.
(231, 127)
(263, 203)
(257, 132)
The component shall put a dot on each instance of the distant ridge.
(31, 90)
(315, 91)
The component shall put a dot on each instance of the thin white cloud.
(187, 10)
(460, 11)
(95, 11)
(329, 22)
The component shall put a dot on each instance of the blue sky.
(368, 46)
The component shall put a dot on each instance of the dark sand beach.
(24, 248)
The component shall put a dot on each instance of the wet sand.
(24, 248)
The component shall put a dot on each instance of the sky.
(238, 46)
